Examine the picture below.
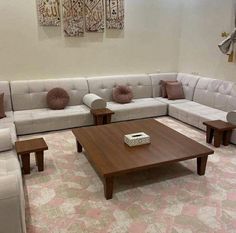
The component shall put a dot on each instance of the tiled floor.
(68, 195)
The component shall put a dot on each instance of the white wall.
(149, 42)
(203, 21)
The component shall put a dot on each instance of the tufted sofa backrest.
(5, 88)
(216, 93)
(32, 94)
(188, 81)
(103, 86)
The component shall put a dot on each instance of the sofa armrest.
(231, 117)
(11, 219)
(5, 139)
(94, 101)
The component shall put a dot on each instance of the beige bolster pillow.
(231, 117)
(94, 101)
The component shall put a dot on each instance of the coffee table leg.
(39, 157)
(79, 147)
(108, 187)
(210, 132)
(226, 137)
(25, 158)
(201, 165)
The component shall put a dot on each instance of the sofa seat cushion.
(166, 101)
(195, 114)
(42, 120)
(137, 109)
(9, 163)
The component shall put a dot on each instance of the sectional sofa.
(27, 113)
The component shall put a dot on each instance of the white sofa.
(12, 202)
(205, 99)
(31, 114)
(142, 105)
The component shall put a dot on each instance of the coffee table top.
(31, 145)
(107, 152)
(220, 125)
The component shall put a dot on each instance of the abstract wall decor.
(94, 15)
(48, 12)
(73, 17)
(115, 14)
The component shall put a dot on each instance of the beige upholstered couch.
(205, 99)
(12, 201)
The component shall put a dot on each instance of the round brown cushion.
(57, 98)
(122, 94)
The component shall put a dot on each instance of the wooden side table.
(220, 130)
(24, 148)
(102, 116)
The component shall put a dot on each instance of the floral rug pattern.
(68, 196)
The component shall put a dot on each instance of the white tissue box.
(137, 139)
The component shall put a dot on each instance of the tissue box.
(137, 139)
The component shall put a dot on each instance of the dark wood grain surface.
(106, 150)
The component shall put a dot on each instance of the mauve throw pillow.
(57, 98)
(175, 91)
(163, 87)
(122, 94)
(2, 110)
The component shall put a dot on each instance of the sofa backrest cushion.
(216, 93)
(32, 94)
(5, 88)
(189, 82)
(103, 86)
(157, 82)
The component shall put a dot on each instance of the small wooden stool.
(220, 130)
(102, 116)
(24, 148)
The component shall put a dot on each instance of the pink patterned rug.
(68, 196)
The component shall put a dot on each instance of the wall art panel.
(94, 15)
(48, 12)
(73, 17)
(115, 14)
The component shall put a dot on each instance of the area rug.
(68, 196)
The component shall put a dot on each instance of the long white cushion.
(216, 94)
(103, 86)
(137, 109)
(195, 114)
(94, 101)
(12, 202)
(5, 139)
(42, 120)
(32, 94)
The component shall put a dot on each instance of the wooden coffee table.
(220, 130)
(24, 148)
(110, 156)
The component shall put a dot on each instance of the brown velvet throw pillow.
(163, 87)
(122, 94)
(2, 110)
(57, 99)
(175, 91)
